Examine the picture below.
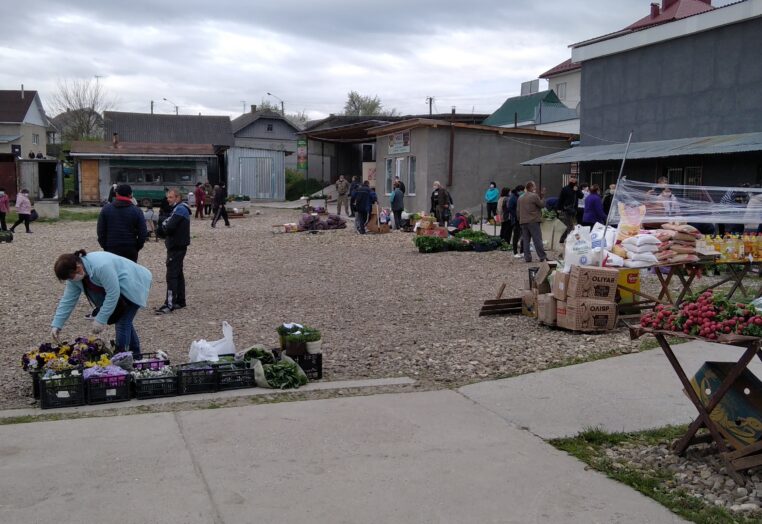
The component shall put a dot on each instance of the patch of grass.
(581, 360)
(590, 446)
(64, 215)
(649, 343)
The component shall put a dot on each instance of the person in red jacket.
(200, 195)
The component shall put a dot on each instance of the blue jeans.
(126, 336)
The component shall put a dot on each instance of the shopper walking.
(362, 206)
(219, 207)
(513, 214)
(352, 190)
(506, 228)
(491, 196)
(122, 226)
(530, 207)
(593, 207)
(5, 207)
(200, 196)
(176, 231)
(342, 190)
(24, 210)
(397, 201)
(119, 287)
(567, 206)
(208, 198)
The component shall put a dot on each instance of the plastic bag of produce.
(578, 248)
(284, 374)
(203, 350)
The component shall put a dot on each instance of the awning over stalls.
(708, 145)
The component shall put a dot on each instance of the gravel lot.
(384, 309)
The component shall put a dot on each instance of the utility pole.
(243, 108)
(151, 106)
(430, 101)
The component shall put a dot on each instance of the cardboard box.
(529, 303)
(538, 277)
(440, 232)
(598, 283)
(560, 285)
(546, 309)
(586, 315)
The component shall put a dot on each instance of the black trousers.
(126, 252)
(491, 209)
(3, 225)
(25, 218)
(516, 237)
(397, 218)
(175, 277)
(222, 213)
(505, 231)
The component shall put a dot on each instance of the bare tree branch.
(80, 105)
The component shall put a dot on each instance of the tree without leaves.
(359, 105)
(80, 104)
(298, 119)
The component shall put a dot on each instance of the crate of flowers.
(196, 377)
(152, 361)
(62, 389)
(106, 382)
(155, 383)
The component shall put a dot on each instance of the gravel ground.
(384, 309)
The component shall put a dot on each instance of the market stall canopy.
(708, 145)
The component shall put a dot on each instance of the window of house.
(388, 176)
(399, 168)
(269, 127)
(368, 152)
(561, 90)
(693, 176)
(675, 175)
(594, 177)
(411, 176)
(35, 139)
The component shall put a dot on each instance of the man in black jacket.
(352, 190)
(122, 226)
(219, 207)
(567, 205)
(176, 231)
(362, 206)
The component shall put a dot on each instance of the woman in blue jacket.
(118, 285)
(491, 197)
(593, 207)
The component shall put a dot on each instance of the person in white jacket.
(24, 210)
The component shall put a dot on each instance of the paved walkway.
(444, 456)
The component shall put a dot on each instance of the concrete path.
(628, 393)
(432, 457)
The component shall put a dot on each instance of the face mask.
(78, 277)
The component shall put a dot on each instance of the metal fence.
(257, 173)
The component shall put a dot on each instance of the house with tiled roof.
(565, 79)
(542, 110)
(23, 123)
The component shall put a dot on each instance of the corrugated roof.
(523, 108)
(396, 127)
(708, 145)
(13, 108)
(168, 129)
(564, 67)
(107, 149)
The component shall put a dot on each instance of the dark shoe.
(29, 232)
(178, 306)
(163, 310)
(213, 226)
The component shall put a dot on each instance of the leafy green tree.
(359, 105)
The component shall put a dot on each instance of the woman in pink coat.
(24, 209)
(4, 208)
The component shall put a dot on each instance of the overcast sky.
(211, 56)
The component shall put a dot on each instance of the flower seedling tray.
(234, 376)
(104, 390)
(62, 392)
(156, 387)
(311, 364)
(196, 379)
(153, 362)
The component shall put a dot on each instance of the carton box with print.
(586, 315)
(560, 285)
(597, 283)
(546, 309)
(529, 303)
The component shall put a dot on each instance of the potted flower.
(314, 340)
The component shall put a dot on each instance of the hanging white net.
(692, 204)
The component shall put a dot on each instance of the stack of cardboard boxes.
(582, 300)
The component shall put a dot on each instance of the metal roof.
(708, 145)
(7, 139)
(168, 129)
(127, 149)
(14, 105)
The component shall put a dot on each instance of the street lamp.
(177, 109)
(282, 109)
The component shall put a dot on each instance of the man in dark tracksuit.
(219, 207)
(176, 230)
(567, 206)
(363, 204)
(122, 226)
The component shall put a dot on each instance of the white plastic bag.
(201, 350)
(612, 260)
(597, 234)
(578, 248)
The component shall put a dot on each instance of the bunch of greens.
(472, 235)
(429, 244)
(283, 375)
(265, 356)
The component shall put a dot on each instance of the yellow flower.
(64, 350)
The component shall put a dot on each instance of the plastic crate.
(193, 380)
(103, 390)
(35, 384)
(155, 387)
(311, 364)
(155, 364)
(234, 376)
(62, 392)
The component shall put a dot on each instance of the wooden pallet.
(501, 306)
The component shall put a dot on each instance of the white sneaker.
(518, 255)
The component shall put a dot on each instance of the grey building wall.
(258, 173)
(479, 157)
(699, 85)
(281, 138)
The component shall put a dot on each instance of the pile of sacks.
(672, 244)
(310, 222)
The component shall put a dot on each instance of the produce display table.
(685, 275)
(737, 454)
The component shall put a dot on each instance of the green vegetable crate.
(199, 377)
(233, 375)
(311, 364)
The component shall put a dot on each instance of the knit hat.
(124, 190)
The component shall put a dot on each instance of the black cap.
(124, 190)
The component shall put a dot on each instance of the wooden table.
(741, 457)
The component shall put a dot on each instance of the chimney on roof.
(22, 91)
(655, 10)
(254, 108)
(115, 140)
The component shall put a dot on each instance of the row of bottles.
(735, 247)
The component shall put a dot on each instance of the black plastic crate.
(311, 364)
(235, 377)
(154, 365)
(62, 392)
(103, 390)
(196, 380)
(35, 384)
(155, 387)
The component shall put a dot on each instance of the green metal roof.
(526, 107)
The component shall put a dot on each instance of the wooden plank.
(89, 181)
(500, 292)
(507, 301)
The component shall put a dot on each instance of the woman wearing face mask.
(117, 285)
(491, 197)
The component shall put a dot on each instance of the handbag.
(121, 304)
(33, 215)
